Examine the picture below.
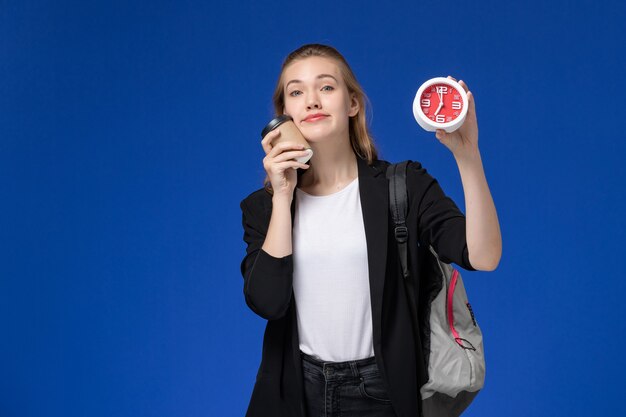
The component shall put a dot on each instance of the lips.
(315, 117)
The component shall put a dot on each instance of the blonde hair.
(360, 138)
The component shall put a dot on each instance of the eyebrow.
(318, 77)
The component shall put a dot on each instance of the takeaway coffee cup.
(288, 133)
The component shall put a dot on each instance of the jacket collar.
(374, 192)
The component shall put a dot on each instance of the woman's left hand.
(463, 141)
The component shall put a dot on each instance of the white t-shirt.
(330, 277)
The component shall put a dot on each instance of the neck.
(333, 166)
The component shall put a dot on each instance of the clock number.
(442, 89)
(456, 105)
(426, 102)
(440, 118)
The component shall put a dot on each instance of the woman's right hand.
(280, 164)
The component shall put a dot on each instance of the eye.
(293, 93)
(328, 88)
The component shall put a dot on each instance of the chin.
(315, 135)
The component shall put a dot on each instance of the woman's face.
(315, 86)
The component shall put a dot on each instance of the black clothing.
(432, 219)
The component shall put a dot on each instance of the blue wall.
(129, 132)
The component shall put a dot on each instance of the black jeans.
(347, 389)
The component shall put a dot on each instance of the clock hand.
(440, 92)
(439, 108)
(439, 95)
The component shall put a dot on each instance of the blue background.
(129, 132)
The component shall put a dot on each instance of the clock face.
(441, 103)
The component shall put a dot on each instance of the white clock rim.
(417, 108)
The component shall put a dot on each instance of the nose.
(312, 101)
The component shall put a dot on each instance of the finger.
(286, 156)
(470, 99)
(451, 78)
(465, 87)
(285, 146)
(266, 143)
(271, 135)
(290, 164)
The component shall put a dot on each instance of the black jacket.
(432, 219)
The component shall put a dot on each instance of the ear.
(354, 106)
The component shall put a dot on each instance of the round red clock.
(440, 103)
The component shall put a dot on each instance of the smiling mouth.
(315, 119)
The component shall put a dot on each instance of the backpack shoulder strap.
(398, 205)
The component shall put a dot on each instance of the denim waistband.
(326, 366)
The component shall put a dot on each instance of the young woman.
(321, 265)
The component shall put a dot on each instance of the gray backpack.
(451, 341)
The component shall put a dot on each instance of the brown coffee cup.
(289, 132)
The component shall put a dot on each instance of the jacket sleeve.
(267, 280)
(441, 223)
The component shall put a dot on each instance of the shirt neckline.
(348, 186)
